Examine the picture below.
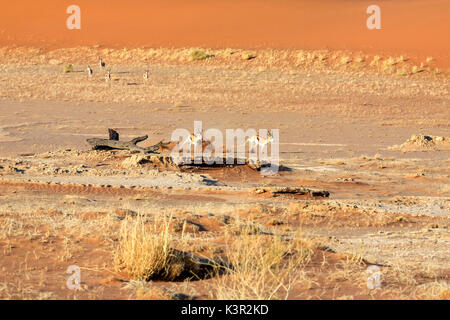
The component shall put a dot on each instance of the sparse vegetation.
(144, 251)
(346, 60)
(375, 60)
(229, 52)
(301, 56)
(68, 68)
(248, 56)
(390, 62)
(263, 267)
(142, 227)
(416, 69)
(389, 70)
(402, 72)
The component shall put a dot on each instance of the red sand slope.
(409, 27)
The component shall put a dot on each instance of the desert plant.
(301, 56)
(144, 251)
(390, 62)
(199, 54)
(346, 60)
(375, 60)
(389, 70)
(402, 72)
(229, 52)
(68, 68)
(416, 69)
(262, 267)
(248, 56)
(147, 252)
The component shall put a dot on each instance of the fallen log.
(113, 143)
(292, 190)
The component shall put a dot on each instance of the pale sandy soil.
(342, 125)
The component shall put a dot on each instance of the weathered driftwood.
(292, 190)
(114, 143)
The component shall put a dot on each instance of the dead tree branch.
(114, 143)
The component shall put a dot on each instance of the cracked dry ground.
(62, 204)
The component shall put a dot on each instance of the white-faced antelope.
(89, 71)
(257, 141)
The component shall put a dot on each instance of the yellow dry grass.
(144, 251)
(262, 267)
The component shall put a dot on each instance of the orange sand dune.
(410, 27)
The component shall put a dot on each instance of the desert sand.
(418, 28)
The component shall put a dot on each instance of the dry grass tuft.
(147, 252)
(199, 54)
(68, 68)
(416, 69)
(345, 60)
(144, 251)
(248, 56)
(390, 62)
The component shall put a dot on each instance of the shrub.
(262, 267)
(199, 54)
(248, 56)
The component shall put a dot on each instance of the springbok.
(101, 63)
(257, 141)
